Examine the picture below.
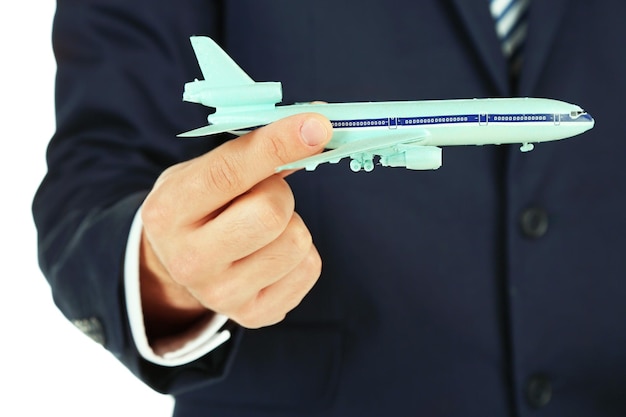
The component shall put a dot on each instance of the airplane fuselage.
(449, 122)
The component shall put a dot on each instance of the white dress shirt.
(176, 351)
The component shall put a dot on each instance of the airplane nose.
(588, 121)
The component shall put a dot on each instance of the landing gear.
(362, 163)
(355, 165)
(527, 147)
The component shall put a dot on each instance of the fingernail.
(313, 132)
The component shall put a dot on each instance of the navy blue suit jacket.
(494, 286)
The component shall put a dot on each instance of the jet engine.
(417, 158)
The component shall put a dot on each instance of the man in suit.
(493, 286)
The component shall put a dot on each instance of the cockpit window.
(576, 113)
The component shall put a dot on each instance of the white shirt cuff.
(173, 352)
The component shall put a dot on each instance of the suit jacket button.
(534, 222)
(538, 391)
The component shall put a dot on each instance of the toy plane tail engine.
(226, 87)
(417, 158)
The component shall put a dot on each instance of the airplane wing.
(381, 144)
(215, 129)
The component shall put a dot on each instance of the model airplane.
(401, 134)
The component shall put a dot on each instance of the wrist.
(168, 307)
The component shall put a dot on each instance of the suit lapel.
(544, 20)
(479, 26)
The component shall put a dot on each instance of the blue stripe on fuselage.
(454, 119)
(459, 119)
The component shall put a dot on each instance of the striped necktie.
(511, 18)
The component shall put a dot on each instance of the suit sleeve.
(121, 66)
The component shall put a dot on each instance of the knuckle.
(306, 278)
(256, 321)
(276, 148)
(217, 298)
(156, 214)
(315, 265)
(300, 239)
(248, 319)
(271, 216)
(152, 213)
(223, 174)
(252, 315)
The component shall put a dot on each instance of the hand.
(221, 235)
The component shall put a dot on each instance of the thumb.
(238, 165)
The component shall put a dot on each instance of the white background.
(47, 367)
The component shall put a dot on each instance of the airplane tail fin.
(226, 87)
(218, 69)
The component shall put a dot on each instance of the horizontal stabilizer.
(215, 129)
